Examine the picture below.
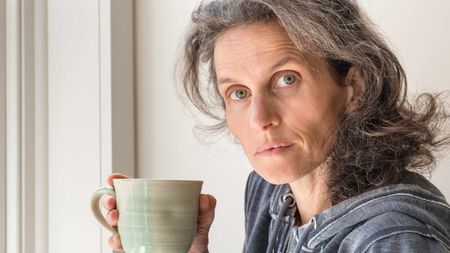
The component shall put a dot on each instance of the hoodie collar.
(409, 199)
(424, 203)
(277, 201)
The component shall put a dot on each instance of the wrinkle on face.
(305, 114)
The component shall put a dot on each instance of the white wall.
(166, 147)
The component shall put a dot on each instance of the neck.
(311, 193)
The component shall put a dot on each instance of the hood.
(415, 197)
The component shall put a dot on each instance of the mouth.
(271, 149)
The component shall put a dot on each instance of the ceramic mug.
(155, 216)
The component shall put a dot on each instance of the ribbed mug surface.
(157, 216)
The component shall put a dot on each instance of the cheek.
(315, 123)
(235, 125)
(238, 125)
(326, 123)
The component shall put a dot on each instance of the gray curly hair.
(377, 142)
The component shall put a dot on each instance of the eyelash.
(230, 93)
(275, 80)
(284, 74)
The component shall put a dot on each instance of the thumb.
(206, 212)
(206, 208)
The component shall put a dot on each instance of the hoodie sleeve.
(407, 242)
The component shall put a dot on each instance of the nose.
(263, 113)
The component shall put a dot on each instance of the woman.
(317, 100)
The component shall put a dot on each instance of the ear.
(355, 81)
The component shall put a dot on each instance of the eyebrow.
(283, 61)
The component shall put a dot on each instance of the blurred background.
(87, 89)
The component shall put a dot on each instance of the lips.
(273, 148)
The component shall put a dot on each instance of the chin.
(278, 175)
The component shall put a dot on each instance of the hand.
(112, 217)
(206, 208)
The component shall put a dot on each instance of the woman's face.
(282, 106)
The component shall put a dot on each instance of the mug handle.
(95, 206)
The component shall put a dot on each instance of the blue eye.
(238, 94)
(287, 80)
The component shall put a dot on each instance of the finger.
(212, 201)
(206, 213)
(207, 203)
(114, 175)
(206, 210)
(115, 243)
(109, 202)
(113, 217)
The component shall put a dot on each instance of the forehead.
(253, 40)
(256, 46)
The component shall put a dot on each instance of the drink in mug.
(155, 216)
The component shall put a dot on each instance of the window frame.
(2, 125)
(24, 115)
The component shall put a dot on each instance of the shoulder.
(394, 232)
(406, 241)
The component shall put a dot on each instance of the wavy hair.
(377, 142)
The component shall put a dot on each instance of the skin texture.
(276, 96)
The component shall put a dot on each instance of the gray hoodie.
(409, 217)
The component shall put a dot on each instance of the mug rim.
(157, 180)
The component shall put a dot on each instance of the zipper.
(288, 241)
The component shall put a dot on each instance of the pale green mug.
(155, 216)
